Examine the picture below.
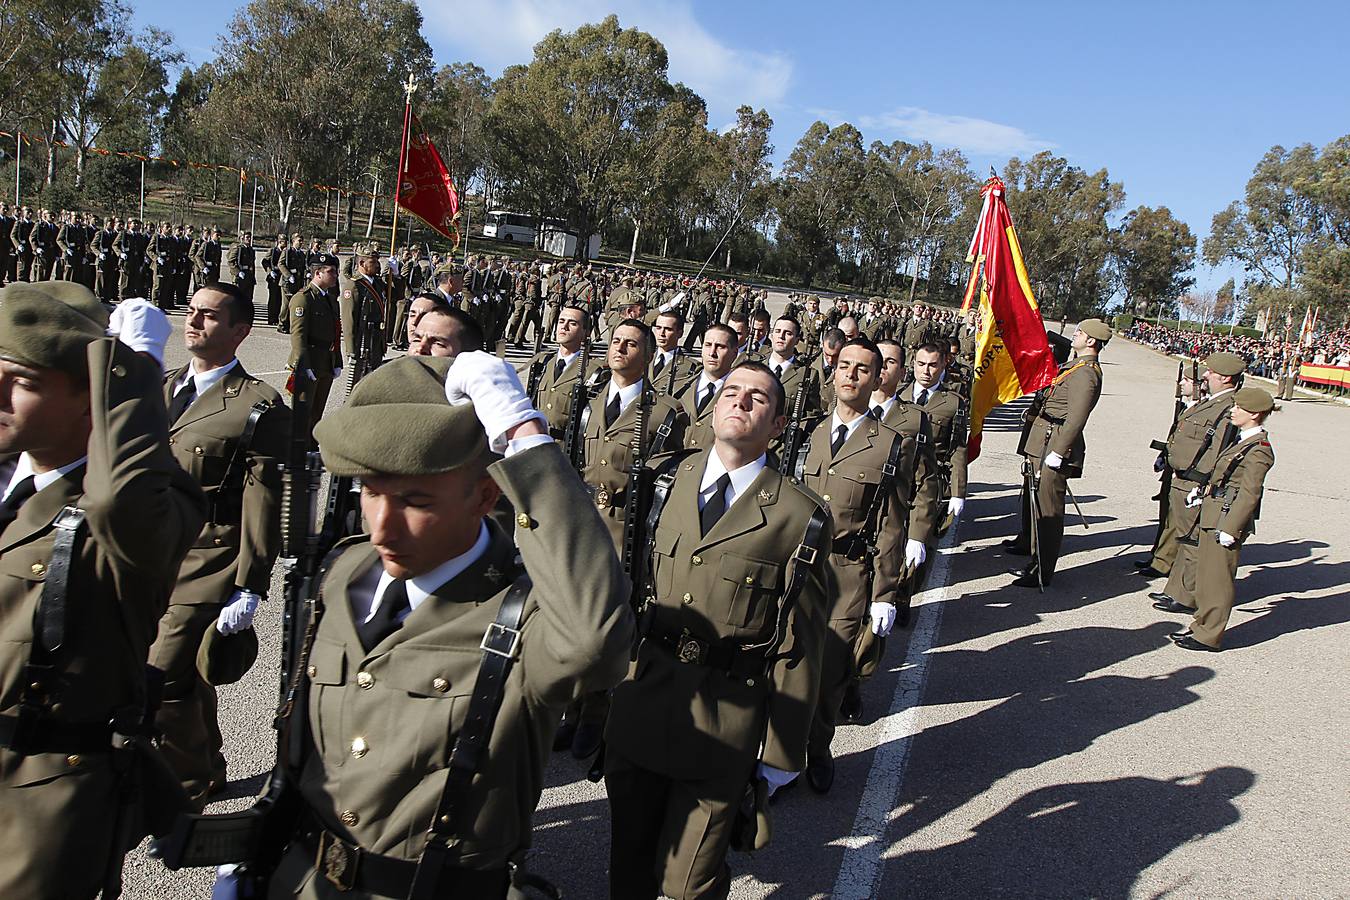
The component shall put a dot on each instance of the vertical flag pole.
(408, 88)
(239, 211)
(18, 163)
(142, 190)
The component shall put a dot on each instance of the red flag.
(424, 185)
(1012, 355)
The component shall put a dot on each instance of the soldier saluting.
(95, 516)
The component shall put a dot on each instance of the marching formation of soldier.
(673, 544)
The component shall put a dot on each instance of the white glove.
(1193, 498)
(915, 553)
(1225, 539)
(955, 505)
(493, 387)
(337, 370)
(883, 618)
(1053, 460)
(142, 326)
(775, 777)
(238, 613)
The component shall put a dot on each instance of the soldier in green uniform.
(242, 260)
(1192, 452)
(363, 308)
(1055, 450)
(95, 516)
(862, 470)
(948, 413)
(786, 361)
(45, 254)
(21, 239)
(160, 251)
(315, 319)
(131, 248)
(7, 262)
(558, 370)
(396, 661)
(671, 367)
(272, 262)
(719, 701)
(1229, 506)
(207, 257)
(105, 259)
(228, 430)
(73, 243)
(696, 398)
(294, 264)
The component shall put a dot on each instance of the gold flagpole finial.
(411, 85)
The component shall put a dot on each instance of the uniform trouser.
(247, 286)
(43, 266)
(132, 283)
(1185, 524)
(298, 878)
(25, 258)
(525, 314)
(187, 716)
(273, 302)
(669, 836)
(401, 337)
(848, 615)
(1215, 590)
(6, 267)
(696, 329)
(551, 320)
(161, 291)
(1050, 522)
(182, 284)
(105, 283)
(323, 384)
(1165, 549)
(59, 824)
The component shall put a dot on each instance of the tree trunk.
(914, 280)
(51, 154)
(370, 220)
(215, 196)
(81, 155)
(665, 245)
(728, 257)
(632, 253)
(327, 207)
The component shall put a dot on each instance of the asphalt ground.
(1023, 744)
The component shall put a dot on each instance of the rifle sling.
(864, 542)
(241, 449)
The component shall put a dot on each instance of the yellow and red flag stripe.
(1012, 353)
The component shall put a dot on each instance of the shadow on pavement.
(1085, 839)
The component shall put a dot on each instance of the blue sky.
(1177, 100)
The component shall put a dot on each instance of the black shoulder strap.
(241, 448)
(50, 621)
(867, 535)
(805, 556)
(662, 433)
(500, 645)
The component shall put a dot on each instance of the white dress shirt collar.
(626, 394)
(24, 467)
(851, 427)
(205, 380)
(421, 587)
(884, 404)
(741, 478)
(567, 357)
(704, 381)
(1250, 432)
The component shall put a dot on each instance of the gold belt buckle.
(337, 860)
(602, 499)
(690, 650)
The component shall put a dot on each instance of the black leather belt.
(1192, 475)
(27, 736)
(721, 654)
(1053, 420)
(348, 867)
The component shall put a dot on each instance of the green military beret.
(398, 422)
(366, 251)
(50, 324)
(226, 658)
(1229, 364)
(1254, 400)
(1095, 329)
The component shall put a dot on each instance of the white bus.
(508, 226)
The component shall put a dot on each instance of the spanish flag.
(1012, 353)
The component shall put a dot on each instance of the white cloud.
(499, 33)
(975, 137)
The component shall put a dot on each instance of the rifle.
(1032, 485)
(573, 439)
(634, 541)
(536, 365)
(794, 433)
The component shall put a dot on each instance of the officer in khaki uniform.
(948, 413)
(1229, 506)
(671, 368)
(1192, 451)
(396, 655)
(786, 361)
(559, 370)
(720, 696)
(696, 398)
(315, 317)
(1055, 449)
(363, 307)
(842, 460)
(229, 432)
(84, 429)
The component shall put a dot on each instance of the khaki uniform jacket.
(947, 412)
(133, 248)
(314, 329)
(848, 483)
(376, 300)
(1233, 501)
(608, 452)
(1059, 427)
(161, 253)
(239, 542)
(825, 380)
(142, 513)
(792, 380)
(695, 722)
(406, 699)
(686, 366)
(698, 427)
(553, 396)
(207, 259)
(243, 263)
(925, 494)
(1193, 446)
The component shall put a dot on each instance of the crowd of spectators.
(1266, 357)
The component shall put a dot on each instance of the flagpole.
(142, 189)
(239, 212)
(18, 163)
(408, 88)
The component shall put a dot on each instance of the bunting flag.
(425, 188)
(1012, 353)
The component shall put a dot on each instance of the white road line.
(860, 872)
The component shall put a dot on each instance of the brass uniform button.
(39, 569)
(311, 671)
(825, 497)
(359, 747)
(119, 370)
(749, 682)
(218, 541)
(365, 680)
(688, 599)
(171, 440)
(440, 684)
(603, 463)
(73, 760)
(197, 450)
(348, 818)
(862, 474)
(606, 440)
(830, 472)
(749, 580)
(522, 520)
(697, 560)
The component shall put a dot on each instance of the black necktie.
(778, 370)
(702, 403)
(612, 409)
(182, 400)
(658, 366)
(716, 505)
(9, 507)
(386, 619)
(840, 435)
(558, 368)
(922, 399)
(878, 413)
